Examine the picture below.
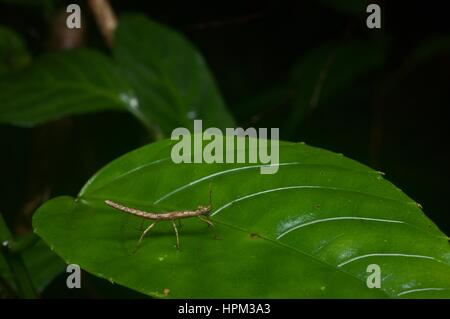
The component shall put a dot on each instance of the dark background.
(394, 119)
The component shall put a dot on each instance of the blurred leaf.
(170, 76)
(423, 53)
(13, 53)
(43, 265)
(431, 48)
(324, 73)
(253, 107)
(308, 231)
(5, 277)
(60, 84)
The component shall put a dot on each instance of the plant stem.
(23, 243)
(21, 275)
(15, 262)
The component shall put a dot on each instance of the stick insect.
(201, 212)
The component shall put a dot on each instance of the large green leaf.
(169, 75)
(309, 231)
(60, 84)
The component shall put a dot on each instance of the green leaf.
(324, 73)
(42, 264)
(170, 76)
(13, 52)
(171, 79)
(308, 231)
(61, 84)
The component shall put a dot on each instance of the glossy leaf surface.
(308, 231)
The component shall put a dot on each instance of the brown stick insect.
(202, 212)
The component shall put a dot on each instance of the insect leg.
(176, 233)
(144, 233)
(210, 224)
(206, 220)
